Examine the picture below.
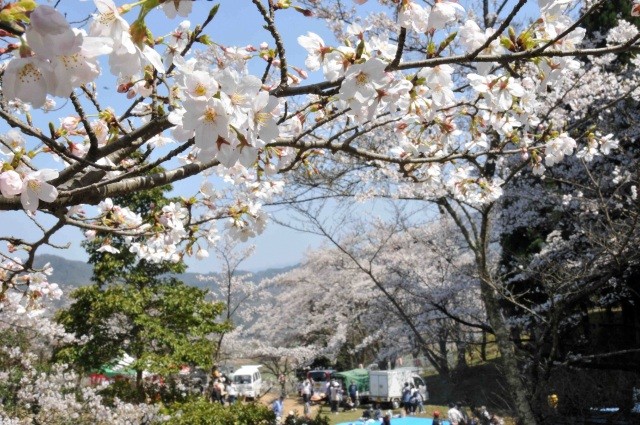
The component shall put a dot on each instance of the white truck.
(248, 381)
(385, 386)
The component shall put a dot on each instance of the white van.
(248, 381)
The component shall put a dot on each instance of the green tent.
(110, 372)
(119, 367)
(359, 376)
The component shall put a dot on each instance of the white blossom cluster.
(336, 298)
(52, 395)
(31, 291)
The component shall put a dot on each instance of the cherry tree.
(419, 73)
(566, 237)
(235, 289)
(36, 392)
(380, 291)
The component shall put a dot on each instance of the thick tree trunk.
(511, 370)
(461, 349)
(478, 238)
(506, 347)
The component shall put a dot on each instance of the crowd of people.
(412, 403)
(412, 399)
(458, 415)
(222, 389)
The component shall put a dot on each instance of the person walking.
(278, 408)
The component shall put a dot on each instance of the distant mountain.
(68, 273)
(71, 274)
(200, 280)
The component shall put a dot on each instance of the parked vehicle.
(319, 379)
(385, 386)
(359, 376)
(248, 381)
(382, 386)
(193, 378)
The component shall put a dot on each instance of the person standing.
(454, 415)
(306, 396)
(327, 391)
(353, 394)
(335, 395)
(232, 392)
(463, 412)
(216, 391)
(406, 398)
(484, 416)
(419, 402)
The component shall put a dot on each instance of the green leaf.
(446, 42)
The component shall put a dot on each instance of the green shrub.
(203, 412)
(301, 420)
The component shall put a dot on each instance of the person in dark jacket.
(386, 420)
(353, 394)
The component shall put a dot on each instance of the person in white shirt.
(335, 396)
(454, 415)
(232, 392)
(306, 396)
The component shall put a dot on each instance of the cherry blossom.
(413, 16)
(362, 80)
(109, 23)
(35, 188)
(173, 8)
(401, 110)
(200, 86)
(79, 68)
(50, 35)
(443, 13)
(557, 148)
(29, 79)
(314, 44)
(10, 183)
(209, 121)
